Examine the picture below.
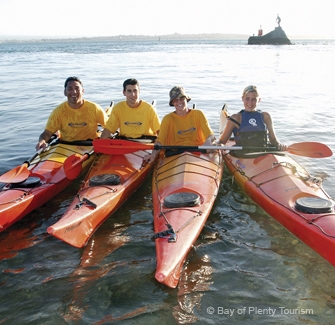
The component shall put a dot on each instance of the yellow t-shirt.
(77, 124)
(189, 130)
(133, 122)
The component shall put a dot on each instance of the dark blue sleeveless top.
(252, 130)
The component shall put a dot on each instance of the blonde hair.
(250, 89)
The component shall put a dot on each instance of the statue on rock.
(278, 20)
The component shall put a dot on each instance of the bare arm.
(272, 134)
(226, 134)
(153, 154)
(43, 139)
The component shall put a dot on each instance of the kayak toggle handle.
(85, 201)
(169, 233)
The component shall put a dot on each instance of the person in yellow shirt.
(76, 119)
(184, 126)
(132, 118)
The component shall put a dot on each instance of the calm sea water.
(245, 268)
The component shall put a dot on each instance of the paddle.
(304, 149)
(310, 149)
(73, 164)
(121, 147)
(108, 110)
(20, 173)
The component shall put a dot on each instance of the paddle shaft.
(27, 162)
(85, 156)
(119, 147)
(160, 147)
(53, 139)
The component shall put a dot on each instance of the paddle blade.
(16, 175)
(310, 149)
(119, 147)
(73, 165)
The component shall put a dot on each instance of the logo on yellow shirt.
(77, 125)
(190, 130)
(133, 123)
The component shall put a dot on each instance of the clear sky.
(87, 18)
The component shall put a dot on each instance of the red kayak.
(111, 180)
(184, 189)
(29, 186)
(288, 193)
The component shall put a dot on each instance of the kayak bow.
(184, 189)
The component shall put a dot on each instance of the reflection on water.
(195, 280)
(16, 239)
(91, 268)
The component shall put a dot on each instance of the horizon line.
(120, 36)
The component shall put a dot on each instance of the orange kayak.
(184, 189)
(288, 193)
(110, 181)
(45, 179)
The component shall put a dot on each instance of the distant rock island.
(276, 37)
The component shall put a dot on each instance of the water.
(245, 267)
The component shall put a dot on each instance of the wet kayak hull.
(185, 187)
(46, 179)
(288, 193)
(111, 180)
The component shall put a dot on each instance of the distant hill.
(176, 36)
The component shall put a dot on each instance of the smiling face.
(74, 93)
(132, 94)
(180, 104)
(250, 101)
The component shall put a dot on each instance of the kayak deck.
(46, 179)
(109, 183)
(185, 187)
(287, 192)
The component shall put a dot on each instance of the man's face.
(74, 92)
(132, 94)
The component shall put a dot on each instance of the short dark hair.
(72, 79)
(132, 82)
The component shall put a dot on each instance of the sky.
(91, 18)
